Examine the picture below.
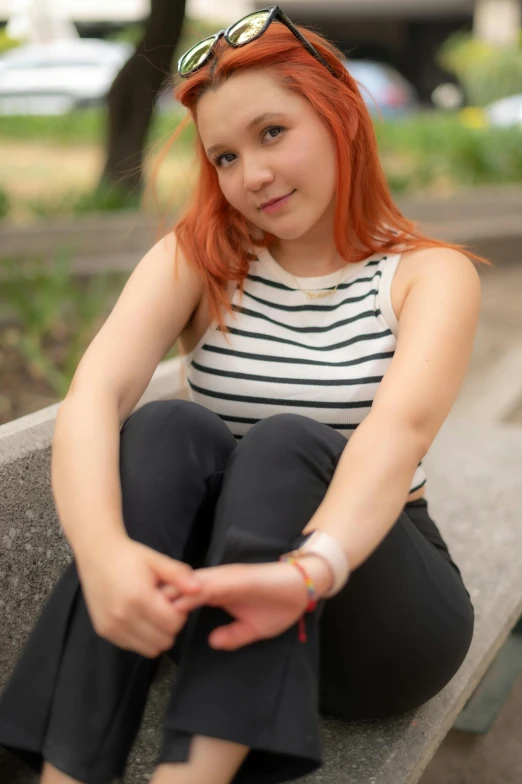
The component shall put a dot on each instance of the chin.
(290, 233)
(284, 228)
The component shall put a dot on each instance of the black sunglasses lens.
(246, 29)
(195, 56)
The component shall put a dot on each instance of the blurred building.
(94, 14)
(91, 17)
(402, 33)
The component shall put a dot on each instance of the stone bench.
(475, 495)
(486, 218)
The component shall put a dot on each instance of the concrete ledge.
(474, 491)
(93, 234)
(34, 431)
(486, 218)
(501, 389)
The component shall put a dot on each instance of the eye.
(220, 159)
(273, 128)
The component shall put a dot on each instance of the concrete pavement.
(492, 390)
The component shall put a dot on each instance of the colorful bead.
(312, 593)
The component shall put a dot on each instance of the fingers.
(170, 592)
(214, 590)
(142, 637)
(233, 636)
(155, 631)
(175, 573)
(186, 604)
(218, 584)
(162, 612)
(154, 641)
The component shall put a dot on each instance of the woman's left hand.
(265, 599)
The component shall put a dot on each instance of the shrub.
(434, 150)
(6, 42)
(102, 199)
(4, 204)
(57, 314)
(486, 71)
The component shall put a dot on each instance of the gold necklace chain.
(317, 294)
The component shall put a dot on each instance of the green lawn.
(432, 151)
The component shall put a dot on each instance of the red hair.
(216, 238)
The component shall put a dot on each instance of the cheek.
(312, 165)
(231, 191)
(296, 161)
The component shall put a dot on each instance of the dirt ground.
(45, 172)
(40, 170)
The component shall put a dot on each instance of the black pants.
(388, 642)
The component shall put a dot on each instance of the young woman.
(325, 341)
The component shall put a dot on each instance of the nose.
(256, 173)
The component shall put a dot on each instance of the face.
(287, 151)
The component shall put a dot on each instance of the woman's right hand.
(128, 588)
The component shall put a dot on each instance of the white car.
(56, 77)
(506, 112)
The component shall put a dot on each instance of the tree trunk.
(131, 97)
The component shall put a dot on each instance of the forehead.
(230, 108)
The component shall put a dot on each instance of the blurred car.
(58, 76)
(506, 112)
(383, 87)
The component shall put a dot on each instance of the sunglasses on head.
(240, 33)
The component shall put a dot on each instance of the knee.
(165, 418)
(280, 430)
(285, 435)
(165, 428)
(170, 449)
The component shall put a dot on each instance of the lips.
(273, 201)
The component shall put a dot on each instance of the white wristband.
(329, 548)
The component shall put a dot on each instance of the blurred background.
(85, 103)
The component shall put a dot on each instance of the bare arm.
(436, 332)
(84, 471)
(114, 372)
(127, 586)
(373, 476)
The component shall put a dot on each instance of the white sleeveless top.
(321, 358)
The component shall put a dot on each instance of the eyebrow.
(252, 124)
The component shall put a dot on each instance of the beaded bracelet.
(312, 593)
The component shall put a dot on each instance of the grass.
(52, 318)
(86, 126)
(432, 149)
(50, 165)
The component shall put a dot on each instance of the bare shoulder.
(422, 261)
(438, 267)
(151, 312)
(188, 280)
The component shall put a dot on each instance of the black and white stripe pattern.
(321, 358)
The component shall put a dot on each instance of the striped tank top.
(322, 358)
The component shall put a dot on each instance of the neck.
(307, 260)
